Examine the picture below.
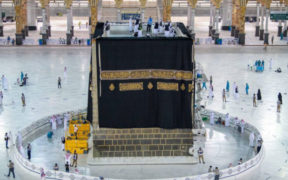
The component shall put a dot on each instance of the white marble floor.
(231, 64)
(44, 65)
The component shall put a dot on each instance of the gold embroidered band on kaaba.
(164, 86)
(131, 86)
(147, 74)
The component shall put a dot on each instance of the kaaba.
(141, 93)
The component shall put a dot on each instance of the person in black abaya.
(259, 97)
(280, 97)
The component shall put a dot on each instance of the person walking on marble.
(75, 158)
(204, 85)
(65, 72)
(278, 106)
(23, 100)
(254, 100)
(270, 63)
(259, 96)
(29, 148)
(11, 169)
(224, 95)
(227, 120)
(212, 118)
(11, 138)
(217, 173)
(247, 89)
(63, 143)
(6, 138)
(279, 98)
(1, 98)
(211, 80)
(21, 76)
(201, 155)
(59, 82)
(227, 86)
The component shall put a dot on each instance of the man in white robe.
(212, 118)
(227, 120)
(19, 136)
(1, 98)
(251, 139)
(65, 121)
(4, 83)
(130, 24)
(54, 126)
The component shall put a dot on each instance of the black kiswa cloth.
(148, 106)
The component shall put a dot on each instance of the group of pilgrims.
(157, 28)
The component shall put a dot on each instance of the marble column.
(257, 21)
(69, 26)
(280, 22)
(192, 27)
(188, 16)
(143, 14)
(213, 22)
(159, 9)
(99, 12)
(266, 32)
(211, 19)
(118, 14)
(44, 27)
(31, 15)
(48, 25)
(1, 23)
(285, 23)
(216, 35)
(261, 35)
(227, 15)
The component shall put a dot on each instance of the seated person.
(24, 80)
(219, 120)
(278, 70)
(156, 28)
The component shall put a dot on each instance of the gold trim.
(167, 86)
(182, 87)
(150, 85)
(111, 87)
(131, 86)
(190, 87)
(147, 74)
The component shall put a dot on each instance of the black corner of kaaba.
(145, 82)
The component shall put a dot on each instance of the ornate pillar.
(118, 7)
(48, 25)
(226, 14)
(266, 32)
(237, 19)
(167, 6)
(211, 18)
(280, 22)
(31, 15)
(242, 13)
(69, 33)
(143, 5)
(1, 23)
(257, 21)
(285, 21)
(217, 5)
(261, 35)
(45, 35)
(19, 21)
(94, 12)
(234, 11)
(192, 3)
(24, 18)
